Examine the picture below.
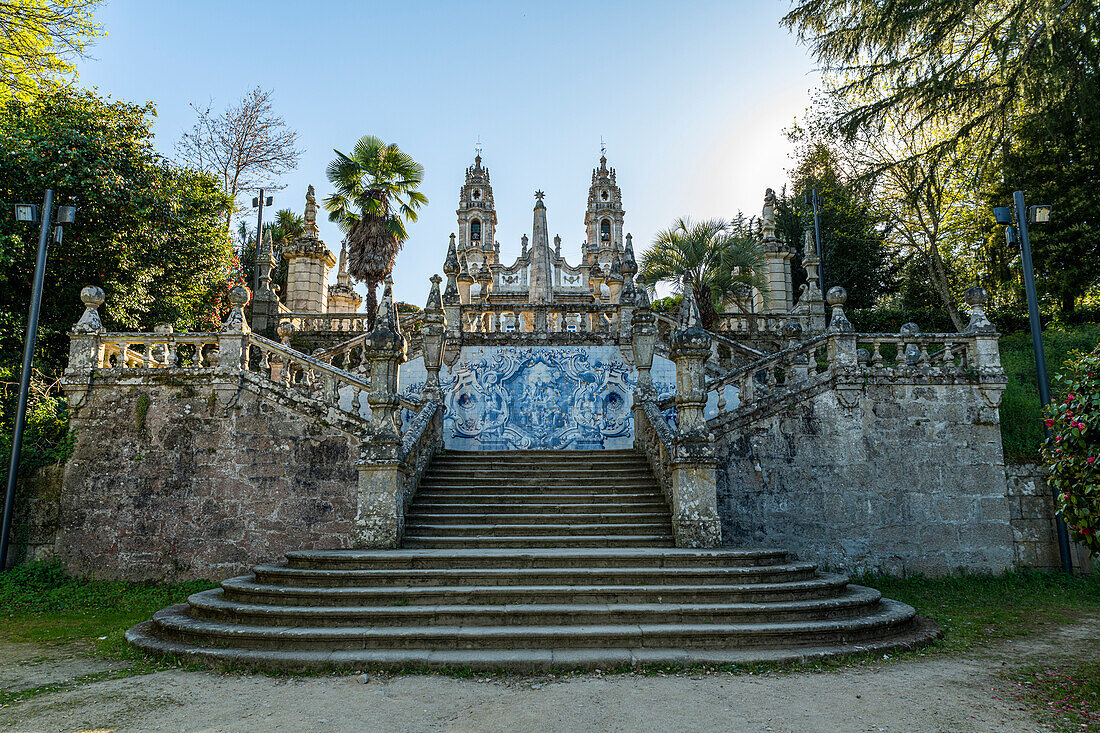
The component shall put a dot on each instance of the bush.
(1021, 416)
(1072, 449)
(46, 439)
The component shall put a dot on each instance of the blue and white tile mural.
(523, 397)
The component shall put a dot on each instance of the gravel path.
(936, 692)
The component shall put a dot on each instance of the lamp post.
(258, 202)
(1036, 215)
(29, 213)
(812, 199)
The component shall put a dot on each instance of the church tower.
(603, 219)
(477, 216)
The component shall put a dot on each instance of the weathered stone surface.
(186, 491)
(909, 479)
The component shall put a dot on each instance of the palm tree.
(719, 258)
(375, 195)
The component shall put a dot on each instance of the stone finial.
(689, 309)
(836, 298)
(616, 270)
(976, 297)
(309, 227)
(557, 245)
(641, 298)
(523, 244)
(239, 296)
(387, 309)
(912, 350)
(92, 297)
(435, 301)
(464, 275)
(285, 331)
(630, 265)
(792, 331)
(163, 328)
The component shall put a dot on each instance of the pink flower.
(1090, 459)
(1058, 438)
(1050, 423)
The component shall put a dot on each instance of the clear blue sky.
(691, 97)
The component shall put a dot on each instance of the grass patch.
(1066, 695)
(39, 603)
(975, 610)
(1021, 423)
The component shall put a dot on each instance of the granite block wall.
(910, 479)
(165, 483)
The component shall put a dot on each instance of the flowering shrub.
(1072, 450)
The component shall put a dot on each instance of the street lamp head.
(1003, 215)
(66, 214)
(26, 212)
(1010, 236)
(1039, 214)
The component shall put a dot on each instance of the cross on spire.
(539, 195)
(603, 146)
(477, 147)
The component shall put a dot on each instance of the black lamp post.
(1023, 216)
(29, 213)
(258, 202)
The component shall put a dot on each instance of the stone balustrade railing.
(155, 350)
(341, 322)
(656, 439)
(549, 318)
(754, 324)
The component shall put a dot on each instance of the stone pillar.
(779, 256)
(986, 353)
(629, 296)
(452, 307)
(232, 340)
(432, 331)
(265, 304)
(380, 514)
(693, 482)
(84, 347)
(811, 306)
(308, 265)
(615, 279)
(342, 297)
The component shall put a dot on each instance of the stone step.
(460, 576)
(589, 559)
(528, 541)
(247, 590)
(498, 495)
(446, 461)
(418, 528)
(535, 505)
(531, 477)
(890, 617)
(520, 516)
(519, 660)
(211, 605)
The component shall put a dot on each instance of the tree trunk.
(1068, 303)
(938, 273)
(372, 304)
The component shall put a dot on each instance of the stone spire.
(342, 297)
(540, 290)
(603, 217)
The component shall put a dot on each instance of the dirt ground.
(935, 692)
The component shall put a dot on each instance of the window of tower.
(605, 231)
(475, 231)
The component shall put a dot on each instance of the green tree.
(38, 41)
(853, 242)
(720, 258)
(972, 65)
(376, 193)
(149, 233)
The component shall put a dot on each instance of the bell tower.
(603, 219)
(477, 216)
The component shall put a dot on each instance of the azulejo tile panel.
(567, 398)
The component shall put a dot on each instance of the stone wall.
(166, 482)
(1031, 509)
(909, 480)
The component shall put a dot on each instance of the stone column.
(643, 336)
(432, 330)
(232, 354)
(693, 482)
(629, 297)
(465, 280)
(84, 348)
(811, 306)
(380, 514)
(779, 256)
(986, 353)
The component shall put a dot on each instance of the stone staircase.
(531, 561)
